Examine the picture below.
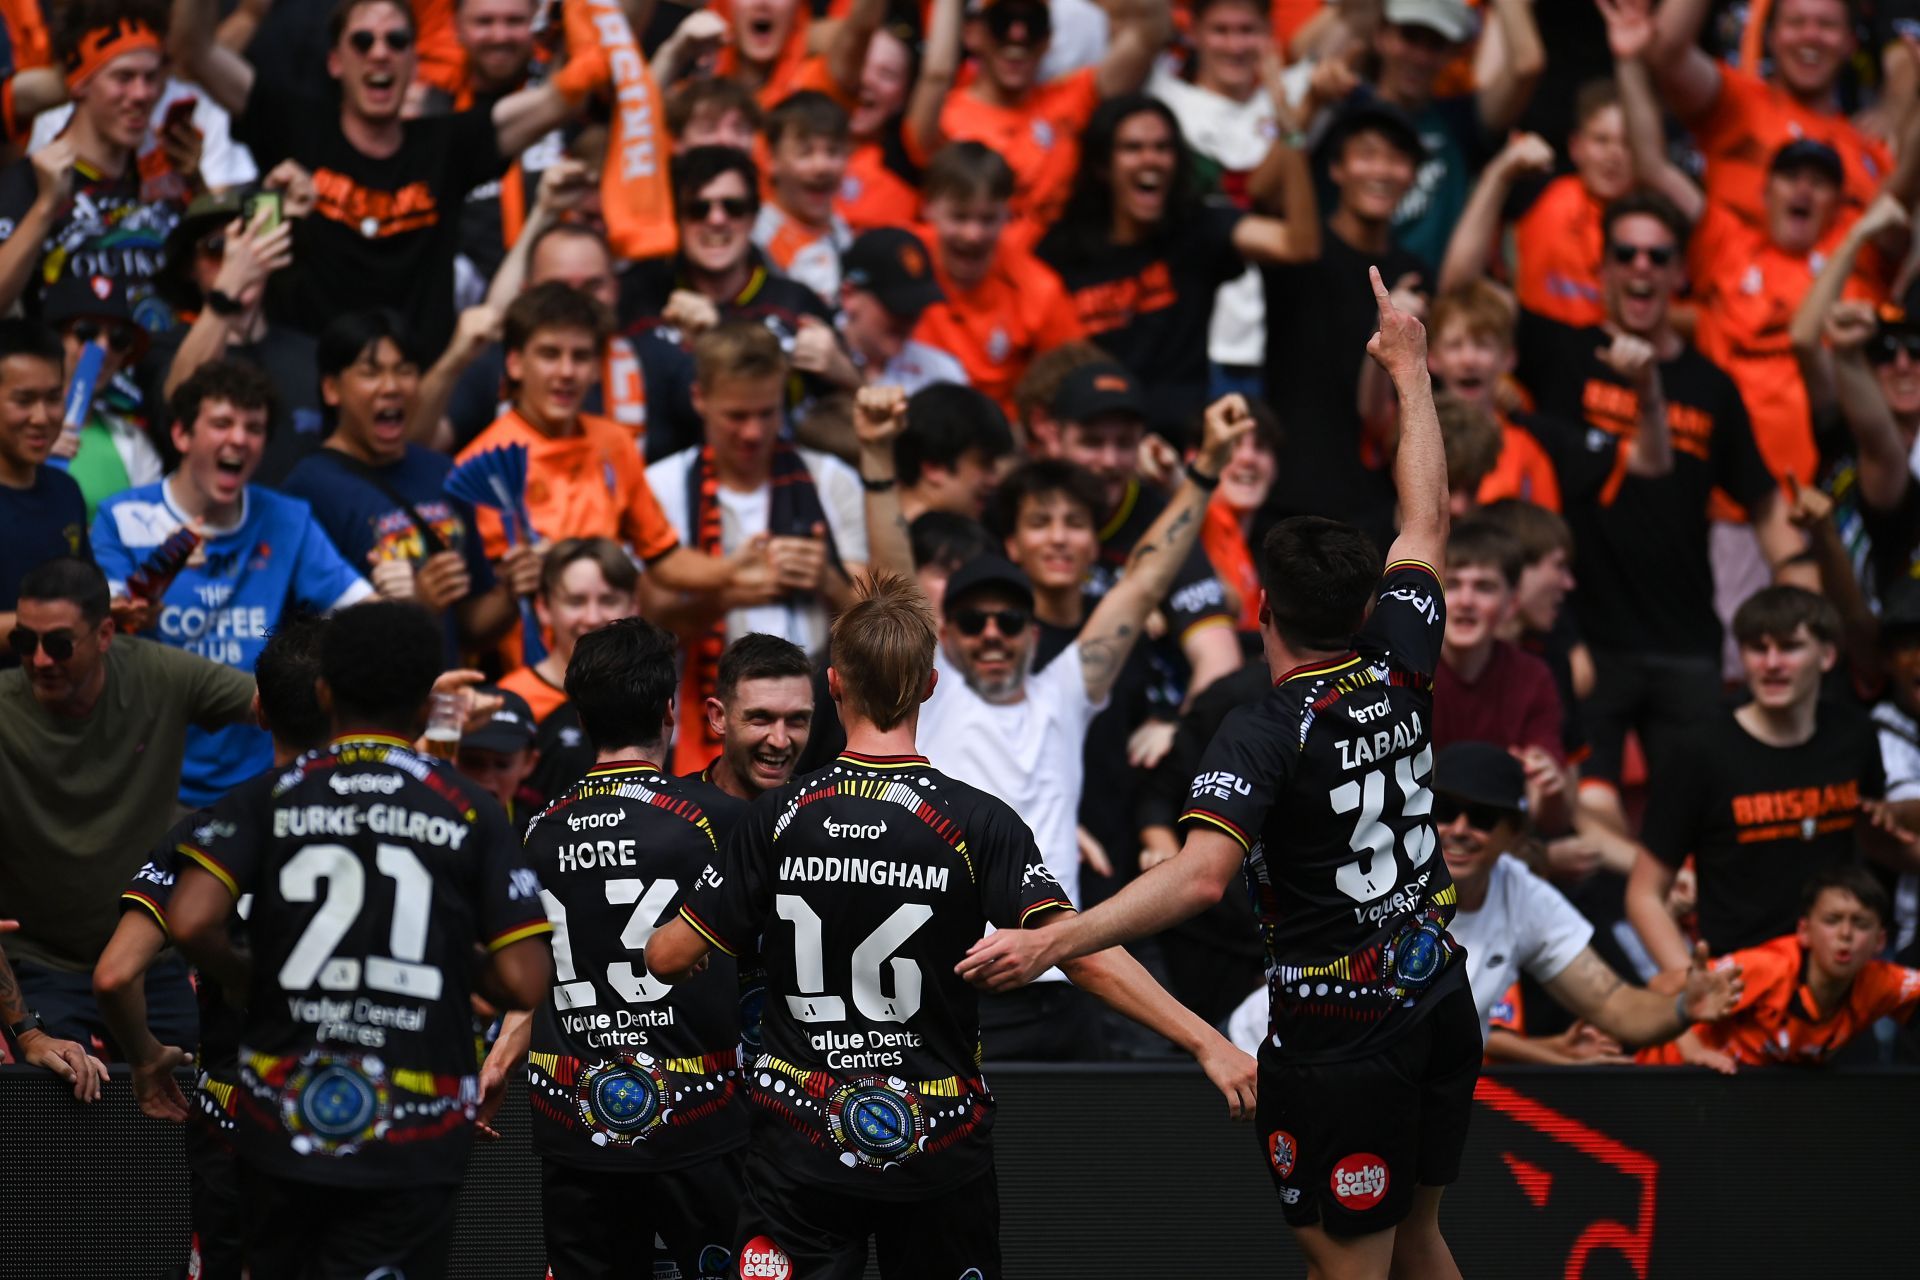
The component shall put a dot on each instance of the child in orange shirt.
(1807, 994)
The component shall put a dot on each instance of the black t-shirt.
(866, 883)
(628, 1072)
(1760, 820)
(564, 753)
(288, 357)
(375, 873)
(1646, 583)
(1320, 315)
(1148, 305)
(109, 229)
(385, 231)
(217, 1059)
(1326, 783)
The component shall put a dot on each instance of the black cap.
(1481, 773)
(94, 297)
(510, 728)
(1000, 16)
(987, 570)
(1364, 112)
(893, 266)
(1099, 391)
(1806, 153)
(1900, 610)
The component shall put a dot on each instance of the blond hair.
(738, 349)
(883, 649)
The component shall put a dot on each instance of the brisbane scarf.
(636, 189)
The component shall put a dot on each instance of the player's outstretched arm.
(1636, 1016)
(1123, 985)
(120, 989)
(1181, 887)
(676, 951)
(1420, 464)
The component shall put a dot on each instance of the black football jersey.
(625, 1070)
(1326, 783)
(865, 884)
(209, 1129)
(375, 873)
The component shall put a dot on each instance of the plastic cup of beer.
(446, 716)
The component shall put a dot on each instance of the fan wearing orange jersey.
(1807, 994)
(896, 121)
(1036, 127)
(1003, 306)
(773, 43)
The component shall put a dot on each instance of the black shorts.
(792, 1230)
(219, 1250)
(601, 1224)
(308, 1231)
(1347, 1142)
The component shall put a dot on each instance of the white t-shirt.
(223, 162)
(1525, 924)
(1900, 761)
(1080, 29)
(742, 515)
(919, 365)
(1236, 136)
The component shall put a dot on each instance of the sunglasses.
(974, 621)
(214, 246)
(396, 41)
(1627, 254)
(699, 210)
(1886, 347)
(1002, 18)
(120, 337)
(1481, 817)
(25, 642)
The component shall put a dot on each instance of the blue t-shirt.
(223, 605)
(46, 519)
(362, 518)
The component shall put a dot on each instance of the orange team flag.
(636, 188)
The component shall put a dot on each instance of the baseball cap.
(1098, 391)
(1364, 113)
(1450, 18)
(1481, 773)
(1808, 153)
(988, 570)
(1001, 15)
(510, 728)
(893, 266)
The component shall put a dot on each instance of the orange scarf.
(1232, 559)
(636, 189)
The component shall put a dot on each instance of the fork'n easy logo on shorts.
(762, 1259)
(1281, 1150)
(1360, 1181)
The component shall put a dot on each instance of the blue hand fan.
(78, 404)
(497, 478)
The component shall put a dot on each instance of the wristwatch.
(29, 1023)
(223, 304)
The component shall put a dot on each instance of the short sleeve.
(1245, 767)
(1585, 460)
(844, 503)
(1893, 990)
(1737, 465)
(508, 903)
(151, 889)
(473, 149)
(1899, 764)
(1410, 618)
(322, 580)
(265, 123)
(1197, 597)
(109, 552)
(728, 904)
(231, 842)
(1873, 774)
(643, 523)
(1674, 813)
(1740, 101)
(1556, 932)
(217, 695)
(1015, 885)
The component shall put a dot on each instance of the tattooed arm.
(1112, 631)
(1636, 1016)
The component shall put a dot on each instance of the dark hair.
(71, 579)
(943, 538)
(1854, 877)
(1199, 7)
(1319, 576)
(1081, 234)
(352, 334)
(967, 171)
(616, 566)
(690, 97)
(1039, 478)
(37, 342)
(621, 681)
(1474, 542)
(238, 382)
(1647, 204)
(943, 422)
(285, 673)
(758, 656)
(552, 305)
(1777, 612)
(73, 21)
(694, 168)
(808, 114)
(1037, 387)
(1594, 97)
(343, 14)
(380, 660)
(1539, 532)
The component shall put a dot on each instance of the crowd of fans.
(771, 294)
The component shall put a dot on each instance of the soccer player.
(290, 711)
(1323, 789)
(761, 712)
(864, 883)
(376, 874)
(634, 1084)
